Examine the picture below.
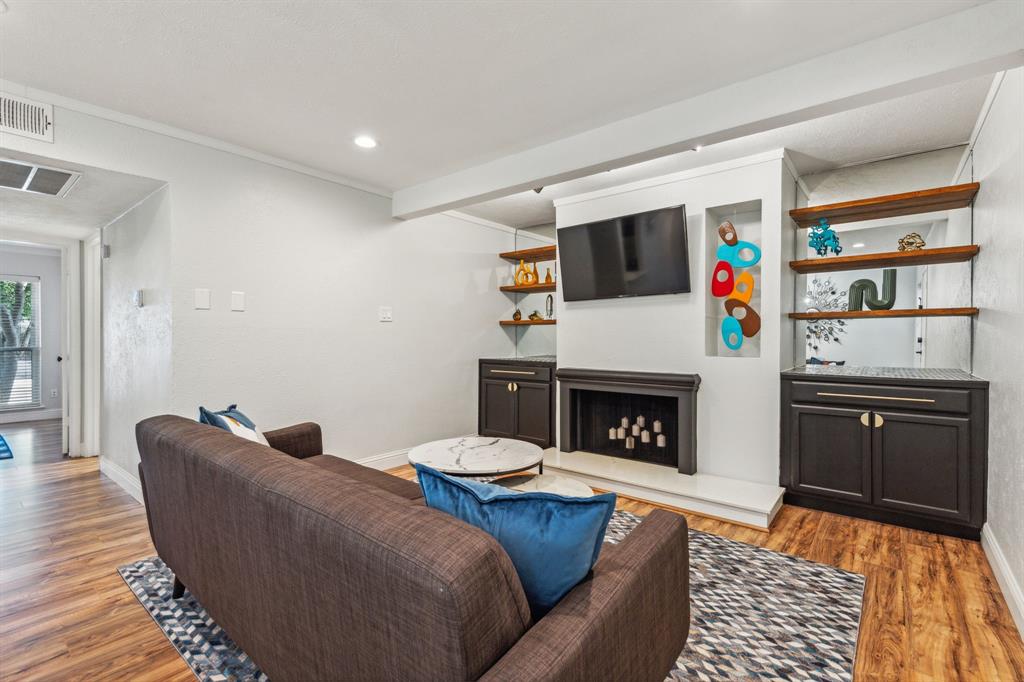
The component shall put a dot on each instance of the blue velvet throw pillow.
(232, 421)
(553, 540)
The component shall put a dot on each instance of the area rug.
(5, 449)
(755, 614)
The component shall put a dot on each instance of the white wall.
(45, 264)
(315, 260)
(890, 176)
(136, 342)
(738, 401)
(998, 348)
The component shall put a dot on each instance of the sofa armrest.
(299, 441)
(629, 622)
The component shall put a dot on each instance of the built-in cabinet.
(905, 446)
(517, 400)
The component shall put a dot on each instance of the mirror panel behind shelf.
(897, 342)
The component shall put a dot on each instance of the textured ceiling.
(98, 197)
(929, 120)
(444, 85)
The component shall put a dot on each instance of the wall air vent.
(28, 177)
(25, 117)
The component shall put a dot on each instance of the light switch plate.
(202, 299)
(385, 314)
(138, 299)
(238, 301)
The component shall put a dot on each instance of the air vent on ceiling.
(27, 177)
(25, 117)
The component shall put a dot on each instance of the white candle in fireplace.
(662, 441)
(630, 443)
(642, 421)
(657, 426)
(621, 433)
(611, 433)
(636, 429)
(645, 436)
(625, 422)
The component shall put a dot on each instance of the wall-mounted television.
(635, 255)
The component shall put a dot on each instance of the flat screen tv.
(636, 255)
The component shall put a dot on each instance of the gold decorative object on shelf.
(536, 316)
(517, 315)
(523, 275)
(912, 242)
(547, 277)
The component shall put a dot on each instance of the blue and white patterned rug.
(755, 614)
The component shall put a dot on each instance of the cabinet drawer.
(883, 397)
(515, 372)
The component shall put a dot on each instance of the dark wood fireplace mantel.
(682, 387)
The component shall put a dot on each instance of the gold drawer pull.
(822, 394)
(511, 371)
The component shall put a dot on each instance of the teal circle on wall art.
(732, 254)
(732, 333)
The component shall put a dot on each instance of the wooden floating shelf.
(541, 253)
(524, 323)
(910, 312)
(888, 259)
(908, 203)
(529, 288)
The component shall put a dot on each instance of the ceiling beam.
(983, 39)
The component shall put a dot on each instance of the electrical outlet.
(53, 393)
(384, 314)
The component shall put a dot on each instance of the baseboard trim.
(1008, 583)
(394, 458)
(386, 460)
(121, 477)
(34, 415)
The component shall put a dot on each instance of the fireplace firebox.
(646, 416)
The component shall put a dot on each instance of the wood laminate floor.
(932, 608)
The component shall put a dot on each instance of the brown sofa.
(322, 569)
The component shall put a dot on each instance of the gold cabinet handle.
(512, 371)
(878, 421)
(515, 387)
(822, 394)
(864, 419)
(508, 386)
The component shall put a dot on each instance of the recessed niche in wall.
(732, 269)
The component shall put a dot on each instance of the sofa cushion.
(357, 472)
(553, 540)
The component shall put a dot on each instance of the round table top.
(477, 455)
(546, 483)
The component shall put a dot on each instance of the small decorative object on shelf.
(535, 315)
(731, 281)
(549, 307)
(547, 277)
(536, 275)
(822, 238)
(523, 275)
(911, 242)
(517, 315)
(823, 296)
(865, 292)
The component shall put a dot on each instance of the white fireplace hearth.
(751, 504)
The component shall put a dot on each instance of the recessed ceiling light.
(859, 245)
(698, 148)
(365, 141)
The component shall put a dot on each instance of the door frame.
(92, 342)
(71, 332)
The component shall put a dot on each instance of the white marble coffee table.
(478, 456)
(546, 483)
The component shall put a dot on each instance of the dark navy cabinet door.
(831, 452)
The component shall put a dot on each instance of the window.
(19, 342)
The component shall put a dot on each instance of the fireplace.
(645, 416)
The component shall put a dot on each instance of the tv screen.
(636, 255)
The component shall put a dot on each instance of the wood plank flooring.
(932, 608)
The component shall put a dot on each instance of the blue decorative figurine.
(823, 238)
